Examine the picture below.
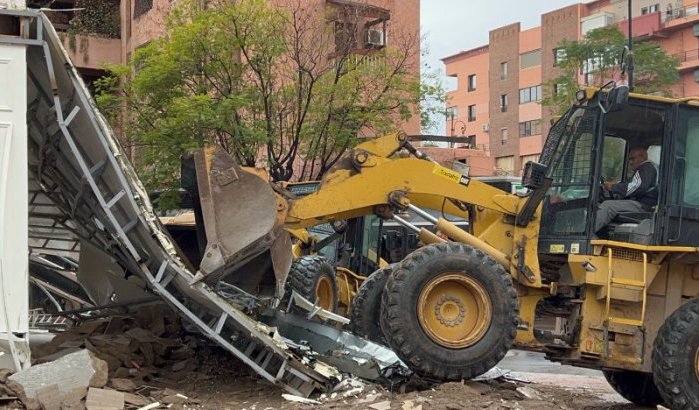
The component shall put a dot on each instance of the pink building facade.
(141, 21)
(516, 64)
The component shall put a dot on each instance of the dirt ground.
(229, 391)
(230, 386)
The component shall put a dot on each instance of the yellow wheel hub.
(454, 310)
(696, 364)
(325, 293)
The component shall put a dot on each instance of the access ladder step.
(625, 321)
(629, 282)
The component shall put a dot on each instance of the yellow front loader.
(532, 273)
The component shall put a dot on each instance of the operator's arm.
(641, 181)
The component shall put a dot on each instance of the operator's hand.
(608, 185)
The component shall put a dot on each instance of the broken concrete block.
(123, 384)
(52, 398)
(410, 405)
(383, 405)
(297, 399)
(101, 399)
(73, 373)
(4, 374)
(529, 393)
(49, 397)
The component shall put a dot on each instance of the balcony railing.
(676, 13)
(689, 55)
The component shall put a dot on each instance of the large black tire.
(636, 387)
(454, 267)
(676, 358)
(366, 306)
(314, 278)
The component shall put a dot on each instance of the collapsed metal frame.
(79, 167)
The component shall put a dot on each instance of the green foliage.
(97, 17)
(599, 54)
(266, 84)
(433, 96)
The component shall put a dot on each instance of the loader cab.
(591, 143)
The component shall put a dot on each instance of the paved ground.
(575, 379)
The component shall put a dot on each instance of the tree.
(273, 86)
(599, 55)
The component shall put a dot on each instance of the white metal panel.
(13, 198)
(12, 4)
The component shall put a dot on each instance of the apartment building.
(500, 85)
(119, 27)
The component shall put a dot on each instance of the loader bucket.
(239, 219)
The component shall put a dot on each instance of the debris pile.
(119, 362)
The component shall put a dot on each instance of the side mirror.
(615, 98)
(618, 96)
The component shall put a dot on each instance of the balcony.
(689, 60)
(89, 30)
(645, 26)
(680, 12)
(681, 16)
(88, 51)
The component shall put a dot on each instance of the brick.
(101, 399)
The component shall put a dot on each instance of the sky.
(451, 26)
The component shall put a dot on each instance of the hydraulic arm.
(388, 175)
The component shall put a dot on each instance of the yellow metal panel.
(355, 194)
(383, 146)
(620, 293)
(649, 248)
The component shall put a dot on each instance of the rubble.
(529, 393)
(101, 399)
(383, 405)
(297, 399)
(125, 385)
(63, 380)
(162, 366)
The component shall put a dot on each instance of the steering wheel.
(604, 195)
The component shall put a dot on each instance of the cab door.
(681, 215)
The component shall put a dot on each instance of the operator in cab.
(638, 194)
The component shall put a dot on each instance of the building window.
(559, 54)
(472, 82)
(528, 158)
(471, 142)
(503, 103)
(503, 71)
(141, 7)
(452, 113)
(530, 59)
(529, 128)
(530, 94)
(471, 113)
(653, 8)
(505, 165)
(504, 136)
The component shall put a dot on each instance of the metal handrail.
(689, 55)
(676, 13)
